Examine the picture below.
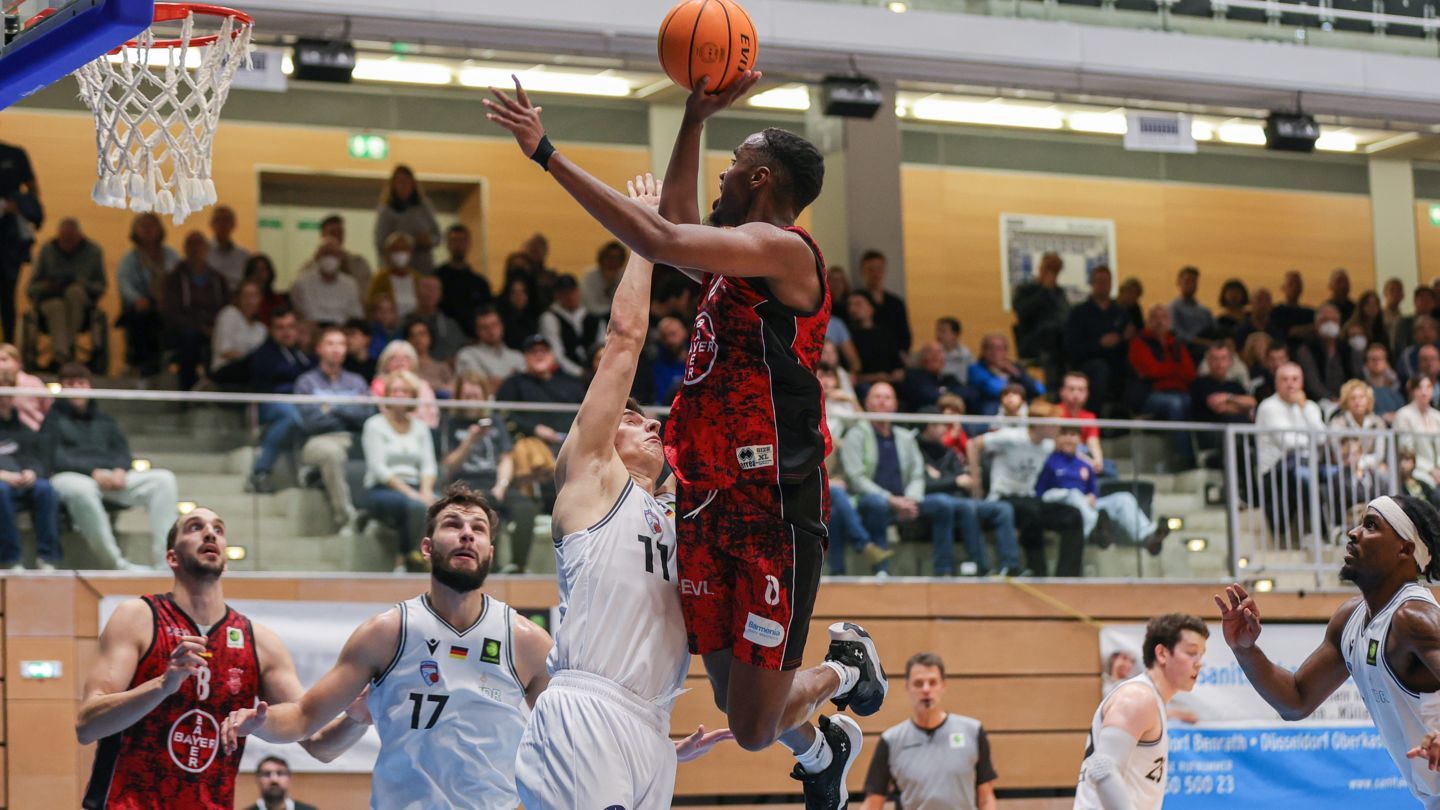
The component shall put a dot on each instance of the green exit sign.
(369, 147)
(1435, 214)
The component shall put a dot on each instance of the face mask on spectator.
(1328, 330)
(399, 259)
(329, 264)
(1358, 342)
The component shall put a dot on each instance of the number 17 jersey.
(620, 599)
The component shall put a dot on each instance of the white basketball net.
(154, 128)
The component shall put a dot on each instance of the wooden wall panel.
(43, 764)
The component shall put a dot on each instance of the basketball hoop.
(150, 113)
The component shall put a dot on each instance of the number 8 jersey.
(620, 599)
(450, 711)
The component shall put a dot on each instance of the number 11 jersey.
(620, 599)
(450, 710)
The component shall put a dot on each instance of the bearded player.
(171, 668)
(452, 675)
(747, 438)
(1387, 639)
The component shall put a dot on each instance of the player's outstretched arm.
(699, 744)
(279, 684)
(364, 656)
(1130, 716)
(590, 445)
(108, 706)
(1416, 627)
(1294, 695)
(532, 647)
(679, 202)
(754, 249)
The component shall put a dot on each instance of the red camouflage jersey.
(171, 758)
(750, 409)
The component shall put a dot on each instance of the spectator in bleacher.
(840, 403)
(1340, 294)
(572, 332)
(541, 381)
(1357, 412)
(1191, 321)
(489, 356)
(90, 465)
(1041, 309)
(396, 277)
(1017, 455)
(667, 356)
(24, 483)
(32, 409)
(400, 356)
(385, 325)
(21, 216)
(1424, 299)
(330, 429)
(926, 380)
(405, 210)
(1069, 479)
(597, 284)
(839, 282)
(1163, 370)
(1074, 393)
(890, 312)
(1260, 320)
(238, 332)
(1097, 332)
(274, 369)
(1295, 321)
(1238, 373)
(66, 282)
(1383, 381)
(358, 359)
(947, 472)
(1393, 294)
(1368, 321)
(958, 357)
(837, 334)
(539, 275)
(886, 472)
(464, 290)
(1252, 356)
(262, 271)
(432, 372)
(1234, 298)
(323, 293)
(831, 357)
(446, 337)
(1426, 333)
(1290, 425)
(1012, 404)
(518, 312)
(479, 454)
(679, 296)
(1262, 379)
(400, 467)
(1417, 428)
(226, 257)
(881, 358)
(332, 228)
(193, 295)
(994, 370)
(955, 436)
(1327, 360)
(272, 781)
(141, 278)
(1128, 297)
(1216, 397)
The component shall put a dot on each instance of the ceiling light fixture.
(898, 6)
(547, 81)
(401, 71)
(987, 114)
(1247, 134)
(1106, 123)
(1336, 142)
(1202, 130)
(788, 97)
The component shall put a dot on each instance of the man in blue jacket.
(274, 368)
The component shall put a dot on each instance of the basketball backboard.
(49, 39)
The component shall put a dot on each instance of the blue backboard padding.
(59, 44)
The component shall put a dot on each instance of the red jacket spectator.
(1161, 360)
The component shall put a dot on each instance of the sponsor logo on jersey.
(763, 631)
(430, 671)
(456, 651)
(431, 644)
(235, 678)
(194, 738)
(690, 587)
(755, 456)
(1372, 652)
(490, 652)
(234, 638)
(653, 521)
(957, 740)
(703, 349)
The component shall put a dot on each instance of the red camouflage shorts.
(750, 558)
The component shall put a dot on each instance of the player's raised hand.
(702, 104)
(699, 744)
(242, 723)
(186, 660)
(1239, 616)
(517, 115)
(644, 189)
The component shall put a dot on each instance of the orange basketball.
(712, 38)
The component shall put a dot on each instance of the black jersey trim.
(1385, 638)
(484, 608)
(399, 646)
(762, 286)
(510, 642)
(614, 510)
(154, 629)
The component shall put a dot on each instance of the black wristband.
(542, 152)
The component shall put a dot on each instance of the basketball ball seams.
(660, 42)
(729, 46)
(720, 45)
(690, 55)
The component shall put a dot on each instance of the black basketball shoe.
(826, 790)
(852, 646)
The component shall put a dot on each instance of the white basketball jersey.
(1144, 772)
(1395, 710)
(620, 599)
(450, 711)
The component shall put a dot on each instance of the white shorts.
(593, 744)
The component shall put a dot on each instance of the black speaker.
(323, 60)
(1289, 132)
(850, 96)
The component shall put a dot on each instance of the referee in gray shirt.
(937, 760)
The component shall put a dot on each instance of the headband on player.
(1390, 509)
